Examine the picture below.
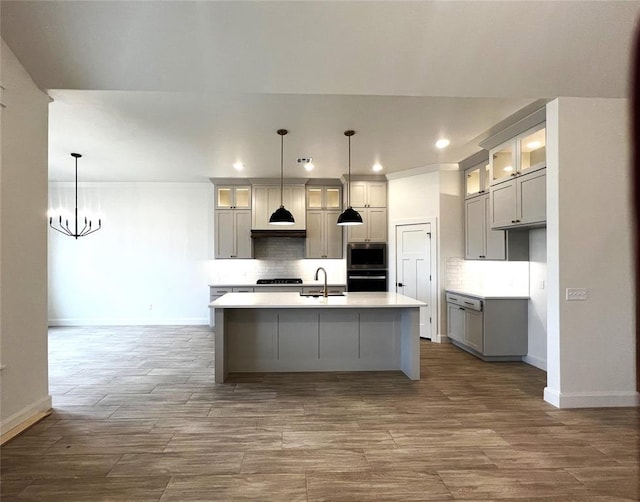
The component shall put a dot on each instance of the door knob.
(399, 284)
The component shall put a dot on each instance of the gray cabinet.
(368, 194)
(233, 233)
(373, 228)
(493, 329)
(266, 199)
(483, 243)
(519, 202)
(233, 197)
(324, 236)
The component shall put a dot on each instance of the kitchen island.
(282, 332)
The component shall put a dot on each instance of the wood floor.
(137, 417)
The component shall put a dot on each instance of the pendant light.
(349, 216)
(281, 216)
(86, 229)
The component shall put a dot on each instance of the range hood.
(263, 234)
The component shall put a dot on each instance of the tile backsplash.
(275, 257)
(488, 276)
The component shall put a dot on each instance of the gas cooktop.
(280, 281)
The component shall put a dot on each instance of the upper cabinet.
(368, 194)
(324, 197)
(266, 199)
(369, 198)
(520, 155)
(233, 197)
(518, 181)
(476, 179)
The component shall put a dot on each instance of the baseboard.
(535, 361)
(124, 321)
(591, 399)
(441, 339)
(25, 418)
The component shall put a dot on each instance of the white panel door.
(413, 268)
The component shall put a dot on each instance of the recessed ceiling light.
(377, 167)
(238, 166)
(442, 143)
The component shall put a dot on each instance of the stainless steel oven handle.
(367, 277)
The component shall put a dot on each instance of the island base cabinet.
(282, 340)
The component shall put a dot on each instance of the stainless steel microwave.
(369, 255)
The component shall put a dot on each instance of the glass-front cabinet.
(520, 155)
(532, 150)
(324, 197)
(233, 197)
(476, 179)
(503, 161)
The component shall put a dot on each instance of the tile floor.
(137, 417)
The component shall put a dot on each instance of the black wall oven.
(367, 266)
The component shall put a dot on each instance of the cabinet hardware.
(460, 308)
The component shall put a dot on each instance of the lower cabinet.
(491, 329)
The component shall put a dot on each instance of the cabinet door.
(315, 197)
(377, 224)
(266, 199)
(243, 233)
(314, 245)
(358, 194)
(294, 201)
(532, 150)
(242, 197)
(532, 198)
(359, 233)
(225, 233)
(503, 161)
(333, 198)
(473, 329)
(503, 204)
(377, 194)
(333, 235)
(455, 323)
(475, 223)
(495, 240)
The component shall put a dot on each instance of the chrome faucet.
(325, 293)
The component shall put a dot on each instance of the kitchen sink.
(316, 295)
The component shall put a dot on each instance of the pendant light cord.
(281, 169)
(348, 134)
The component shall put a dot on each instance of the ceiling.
(180, 91)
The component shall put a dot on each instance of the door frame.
(435, 276)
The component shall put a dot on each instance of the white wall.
(431, 195)
(537, 325)
(149, 264)
(591, 344)
(23, 248)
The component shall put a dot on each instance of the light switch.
(576, 294)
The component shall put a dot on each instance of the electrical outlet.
(576, 294)
(541, 284)
(151, 306)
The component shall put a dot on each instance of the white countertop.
(295, 300)
(488, 294)
(300, 285)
